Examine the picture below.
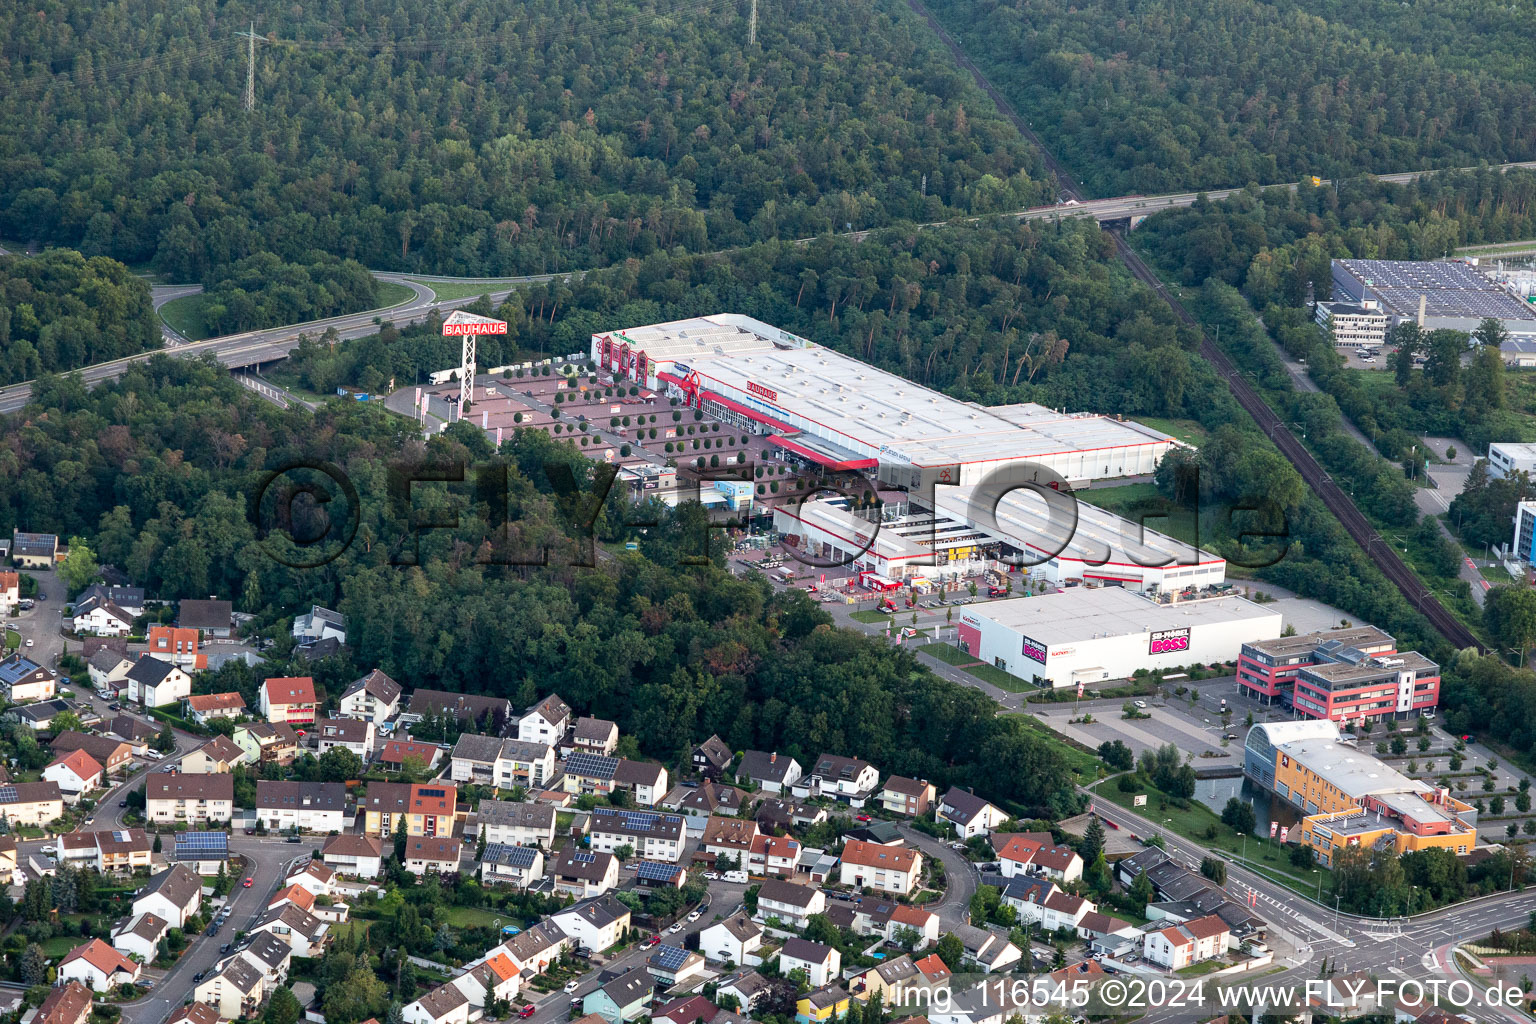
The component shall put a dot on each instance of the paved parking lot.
(1195, 732)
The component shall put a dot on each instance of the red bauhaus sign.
(758, 389)
(460, 322)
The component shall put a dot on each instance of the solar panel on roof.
(591, 764)
(583, 858)
(7, 794)
(651, 871)
(202, 842)
(669, 958)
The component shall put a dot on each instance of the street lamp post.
(1336, 898)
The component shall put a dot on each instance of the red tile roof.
(290, 690)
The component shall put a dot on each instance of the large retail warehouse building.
(837, 412)
(1088, 635)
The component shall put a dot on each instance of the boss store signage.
(1169, 641)
(1034, 650)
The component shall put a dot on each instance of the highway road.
(253, 348)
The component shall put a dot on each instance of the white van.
(739, 877)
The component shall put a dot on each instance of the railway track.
(1376, 548)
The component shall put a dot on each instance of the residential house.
(896, 981)
(698, 803)
(305, 806)
(178, 646)
(75, 773)
(488, 714)
(315, 876)
(622, 998)
(319, 624)
(908, 797)
(394, 755)
(205, 852)
(504, 864)
(712, 757)
(211, 618)
(107, 666)
(289, 699)
(194, 798)
(673, 966)
(1052, 909)
(645, 781)
(433, 854)
(375, 697)
(686, 1010)
(582, 873)
(890, 869)
(822, 964)
(235, 990)
(113, 755)
(986, 950)
(37, 717)
(267, 741)
(791, 904)
(594, 924)
(174, 894)
(354, 734)
(10, 872)
(99, 616)
(216, 757)
(728, 841)
(194, 1013)
(652, 874)
(34, 550)
(734, 940)
(846, 779)
(545, 722)
(10, 591)
(649, 834)
(1180, 945)
(270, 956)
(129, 599)
(502, 763)
(203, 708)
(969, 814)
(428, 808)
(770, 772)
(446, 1004)
(304, 933)
(66, 1004)
(133, 732)
(31, 803)
(588, 773)
(98, 967)
(514, 824)
(746, 985)
(496, 972)
(594, 736)
(892, 919)
(107, 850)
(1020, 854)
(786, 814)
(356, 855)
(774, 856)
(1105, 934)
(25, 680)
(534, 949)
(828, 1003)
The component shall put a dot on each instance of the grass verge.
(1199, 824)
(185, 315)
(447, 291)
(949, 654)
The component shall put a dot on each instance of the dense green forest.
(1154, 97)
(263, 291)
(59, 311)
(479, 137)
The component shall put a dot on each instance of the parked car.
(1141, 703)
(572, 985)
(675, 928)
(248, 882)
(654, 940)
(693, 916)
(862, 817)
(294, 839)
(527, 1011)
